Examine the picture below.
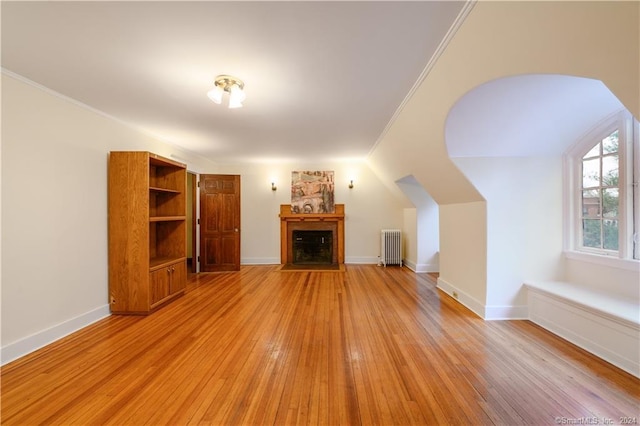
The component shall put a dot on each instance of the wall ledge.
(605, 326)
(614, 308)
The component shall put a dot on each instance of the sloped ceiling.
(322, 79)
(527, 116)
(501, 40)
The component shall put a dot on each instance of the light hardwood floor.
(367, 346)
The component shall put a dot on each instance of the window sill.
(613, 262)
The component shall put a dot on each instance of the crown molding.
(466, 9)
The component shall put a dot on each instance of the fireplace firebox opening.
(312, 247)
(290, 222)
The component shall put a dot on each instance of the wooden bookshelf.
(147, 231)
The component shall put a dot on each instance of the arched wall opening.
(499, 39)
(507, 137)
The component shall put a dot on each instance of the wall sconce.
(351, 184)
(273, 186)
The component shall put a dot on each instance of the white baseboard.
(260, 261)
(486, 312)
(363, 260)
(28, 344)
(476, 306)
(411, 265)
(614, 340)
(422, 267)
(496, 312)
(273, 261)
(371, 260)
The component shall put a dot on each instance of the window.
(604, 170)
(601, 195)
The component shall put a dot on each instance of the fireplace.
(329, 226)
(312, 247)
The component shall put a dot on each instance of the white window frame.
(636, 189)
(628, 174)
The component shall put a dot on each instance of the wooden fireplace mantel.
(312, 221)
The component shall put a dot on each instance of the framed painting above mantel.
(312, 192)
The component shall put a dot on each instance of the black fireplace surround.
(312, 247)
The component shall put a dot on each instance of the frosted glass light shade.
(236, 97)
(215, 94)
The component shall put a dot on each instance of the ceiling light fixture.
(231, 85)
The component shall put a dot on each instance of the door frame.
(196, 229)
(193, 178)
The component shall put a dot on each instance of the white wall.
(499, 39)
(621, 283)
(427, 226)
(369, 207)
(524, 226)
(428, 236)
(410, 237)
(463, 271)
(54, 212)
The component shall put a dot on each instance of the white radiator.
(391, 247)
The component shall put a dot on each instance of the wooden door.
(219, 223)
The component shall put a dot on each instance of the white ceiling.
(527, 116)
(322, 79)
